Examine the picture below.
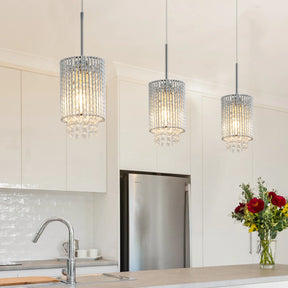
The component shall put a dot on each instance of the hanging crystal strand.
(82, 90)
(237, 113)
(166, 98)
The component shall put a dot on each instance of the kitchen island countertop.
(238, 276)
(220, 276)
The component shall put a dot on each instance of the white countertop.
(238, 276)
(221, 276)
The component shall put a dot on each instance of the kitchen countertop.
(54, 263)
(206, 277)
(221, 276)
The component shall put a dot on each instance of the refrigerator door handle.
(187, 227)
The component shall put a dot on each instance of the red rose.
(255, 205)
(272, 195)
(240, 208)
(278, 201)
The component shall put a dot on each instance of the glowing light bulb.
(237, 125)
(82, 94)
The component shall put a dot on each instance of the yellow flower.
(247, 214)
(285, 209)
(253, 228)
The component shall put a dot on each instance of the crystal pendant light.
(167, 106)
(82, 92)
(237, 113)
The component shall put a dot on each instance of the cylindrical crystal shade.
(82, 90)
(237, 122)
(167, 110)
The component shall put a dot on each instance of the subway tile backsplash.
(21, 213)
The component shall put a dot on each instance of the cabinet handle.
(250, 250)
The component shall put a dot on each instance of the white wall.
(215, 177)
(23, 211)
(215, 173)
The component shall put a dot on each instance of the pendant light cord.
(81, 21)
(166, 44)
(236, 68)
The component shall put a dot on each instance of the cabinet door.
(270, 160)
(43, 134)
(86, 162)
(10, 128)
(137, 149)
(176, 159)
(224, 241)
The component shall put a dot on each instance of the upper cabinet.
(35, 151)
(86, 162)
(10, 128)
(43, 134)
(176, 159)
(50, 160)
(137, 148)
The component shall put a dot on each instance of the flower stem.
(266, 253)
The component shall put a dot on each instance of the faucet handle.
(64, 271)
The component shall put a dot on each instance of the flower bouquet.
(266, 213)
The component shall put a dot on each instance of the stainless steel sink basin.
(84, 281)
(50, 285)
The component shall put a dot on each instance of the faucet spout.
(71, 269)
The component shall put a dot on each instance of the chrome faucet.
(70, 271)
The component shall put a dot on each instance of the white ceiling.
(201, 36)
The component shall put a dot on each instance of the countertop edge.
(34, 266)
(225, 283)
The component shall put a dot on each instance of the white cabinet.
(270, 148)
(43, 134)
(176, 159)
(271, 160)
(10, 127)
(86, 162)
(224, 241)
(50, 160)
(137, 148)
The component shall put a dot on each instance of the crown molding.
(50, 66)
(196, 86)
(24, 61)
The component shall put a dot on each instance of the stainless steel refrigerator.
(154, 221)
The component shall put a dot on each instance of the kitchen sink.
(50, 285)
(81, 281)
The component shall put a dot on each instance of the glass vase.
(267, 250)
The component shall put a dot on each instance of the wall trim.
(28, 62)
(143, 76)
(14, 59)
